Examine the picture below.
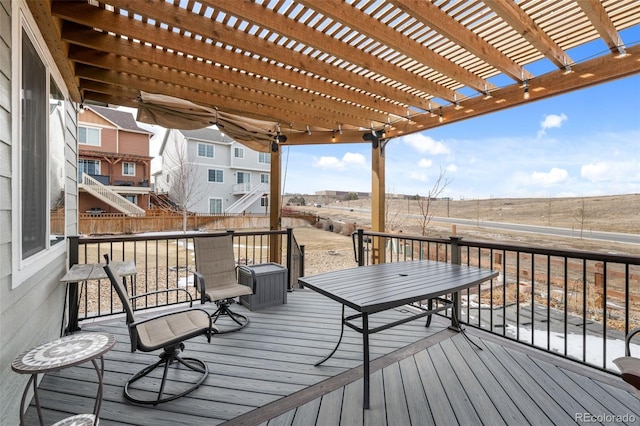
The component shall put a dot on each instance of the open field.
(611, 214)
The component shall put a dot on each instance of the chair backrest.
(119, 287)
(215, 259)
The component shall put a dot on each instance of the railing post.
(456, 254)
(289, 257)
(455, 259)
(360, 247)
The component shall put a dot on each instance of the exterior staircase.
(110, 197)
(248, 199)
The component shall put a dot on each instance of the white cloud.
(452, 168)
(425, 163)
(419, 176)
(354, 158)
(603, 171)
(425, 145)
(349, 159)
(551, 121)
(554, 176)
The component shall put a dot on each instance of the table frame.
(33, 370)
(376, 288)
(83, 272)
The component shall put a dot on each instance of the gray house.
(206, 171)
(38, 194)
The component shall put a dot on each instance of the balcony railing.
(166, 261)
(572, 303)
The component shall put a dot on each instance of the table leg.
(455, 313)
(33, 379)
(337, 344)
(365, 351)
(74, 307)
(100, 372)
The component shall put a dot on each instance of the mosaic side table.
(63, 353)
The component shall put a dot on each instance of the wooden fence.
(160, 221)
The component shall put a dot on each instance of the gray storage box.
(270, 285)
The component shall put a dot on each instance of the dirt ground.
(332, 250)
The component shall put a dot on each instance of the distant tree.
(351, 196)
(183, 179)
(580, 216)
(392, 218)
(297, 201)
(425, 203)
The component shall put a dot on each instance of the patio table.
(376, 288)
(82, 272)
(59, 354)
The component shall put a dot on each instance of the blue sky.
(584, 143)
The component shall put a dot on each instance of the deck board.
(264, 375)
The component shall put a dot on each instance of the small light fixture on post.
(526, 90)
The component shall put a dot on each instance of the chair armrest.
(627, 340)
(198, 281)
(150, 293)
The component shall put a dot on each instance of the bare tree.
(392, 217)
(580, 216)
(183, 177)
(425, 203)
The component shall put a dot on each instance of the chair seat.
(228, 291)
(173, 328)
(630, 370)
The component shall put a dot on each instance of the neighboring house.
(38, 194)
(205, 171)
(113, 151)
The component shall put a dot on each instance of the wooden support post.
(377, 200)
(275, 211)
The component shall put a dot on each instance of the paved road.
(535, 229)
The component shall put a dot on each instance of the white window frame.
(24, 269)
(215, 174)
(248, 174)
(88, 129)
(206, 145)
(221, 205)
(131, 165)
(81, 169)
(264, 177)
(238, 152)
(264, 158)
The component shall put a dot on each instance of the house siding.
(223, 159)
(30, 313)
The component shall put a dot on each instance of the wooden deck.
(264, 375)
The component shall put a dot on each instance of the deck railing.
(572, 303)
(166, 261)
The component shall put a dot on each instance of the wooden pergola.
(336, 71)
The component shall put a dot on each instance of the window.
(89, 136)
(131, 198)
(264, 202)
(90, 167)
(238, 152)
(264, 158)
(264, 178)
(39, 173)
(128, 169)
(243, 177)
(215, 205)
(205, 150)
(216, 176)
